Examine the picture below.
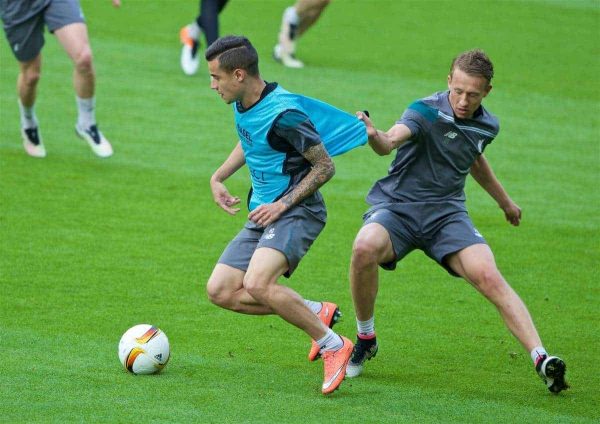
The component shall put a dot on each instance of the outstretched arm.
(483, 174)
(381, 142)
(220, 194)
(322, 171)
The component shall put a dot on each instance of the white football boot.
(32, 142)
(285, 49)
(96, 140)
(190, 61)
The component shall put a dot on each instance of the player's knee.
(489, 282)
(217, 293)
(83, 61)
(31, 76)
(364, 252)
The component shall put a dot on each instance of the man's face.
(466, 93)
(225, 83)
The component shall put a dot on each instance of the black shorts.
(292, 234)
(437, 229)
(26, 39)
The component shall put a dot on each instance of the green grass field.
(90, 247)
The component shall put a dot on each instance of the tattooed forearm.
(321, 172)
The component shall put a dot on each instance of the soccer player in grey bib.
(420, 204)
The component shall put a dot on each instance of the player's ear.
(449, 80)
(487, 90)
(239, 75)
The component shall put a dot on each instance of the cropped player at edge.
(287, 141)
(24, 22)
(420, 204)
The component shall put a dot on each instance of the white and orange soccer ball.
(144, 349)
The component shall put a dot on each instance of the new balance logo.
(270, 234)
(451, 135)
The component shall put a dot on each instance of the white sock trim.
(194, 30)
(537, 352)
(291, 15)
(86, 109)
(28, 118)
(331, 341)
(314, 306)
(366, 327)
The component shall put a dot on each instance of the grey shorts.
(26, 38)
(292, 234)
(437, 229)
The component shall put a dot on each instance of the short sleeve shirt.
(433, 164)
(14, 12)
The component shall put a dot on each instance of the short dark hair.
(474, 62)
(234, 52)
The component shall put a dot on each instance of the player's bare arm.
(322, 171)
(220, 193)
(382, 142)
(484, 175)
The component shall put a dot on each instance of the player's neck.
(253, 93)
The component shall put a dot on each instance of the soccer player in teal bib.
(420, 204)
(286, 141)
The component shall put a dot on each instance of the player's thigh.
(75, 41)
(65, 19)
(265, 267)
(224, 280)
(474, 263)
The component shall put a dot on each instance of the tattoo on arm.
(321, 172)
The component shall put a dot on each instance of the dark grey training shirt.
(14, 12)
(432, 166)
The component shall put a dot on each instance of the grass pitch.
(90, 247)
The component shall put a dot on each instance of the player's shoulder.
(282, 99)
(489, 120)
(290, 118)
(427, 107)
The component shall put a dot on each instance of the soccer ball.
(144, 349)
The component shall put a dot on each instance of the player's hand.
(267, 213)
(371, 130)
(222, 198)
(512, 212)
(116, 3)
